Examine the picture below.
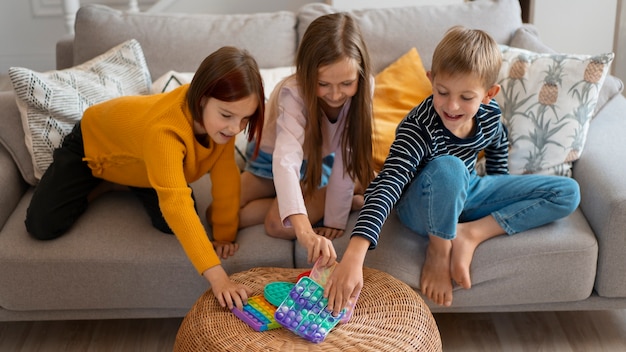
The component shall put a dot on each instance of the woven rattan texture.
(389, 316)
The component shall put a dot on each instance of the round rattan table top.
(389, 316)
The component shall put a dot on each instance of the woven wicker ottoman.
(389, 316)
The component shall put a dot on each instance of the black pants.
(61, 196)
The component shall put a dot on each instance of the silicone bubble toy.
(304, 311)
(275, 292)
(258, 314)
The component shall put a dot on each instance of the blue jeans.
(446, 193)
(261, 166)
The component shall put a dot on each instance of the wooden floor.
(535, 331)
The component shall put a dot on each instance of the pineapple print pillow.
(547, 103)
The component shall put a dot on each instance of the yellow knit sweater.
(148, 141)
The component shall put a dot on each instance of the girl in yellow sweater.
(157, 145)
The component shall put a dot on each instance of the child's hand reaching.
(318, 247)
(228, 293)
(344, 283)
(225, 249)
(347, 279)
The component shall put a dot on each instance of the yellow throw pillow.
(399, 88)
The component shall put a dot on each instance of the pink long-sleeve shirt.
(283, 136)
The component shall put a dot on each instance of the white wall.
(576, 26)
(26, 39)
(29, 29)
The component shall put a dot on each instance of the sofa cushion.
(51, 103)
(421, 27)
(12, 136)
(527, 37)
(547, 102)
(180, 42)
(601, 172)
(551, 263)
(112, 258)
(399, 88)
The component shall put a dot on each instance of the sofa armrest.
(65, 52)
(12, 185)
(601, 173)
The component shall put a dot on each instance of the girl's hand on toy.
(318, 247)
(225, 249)
(227, 292)
(346, 280)
(329, 232)
(344, 283)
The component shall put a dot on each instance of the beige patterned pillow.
(51, 103)
(547, 102)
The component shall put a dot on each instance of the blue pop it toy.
(258, 314)
(305, 312)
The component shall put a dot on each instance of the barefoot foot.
(436, 282)
(463, 248)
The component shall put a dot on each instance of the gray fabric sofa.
(113, 264)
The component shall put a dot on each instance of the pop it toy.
(258, 313)
(275, 292)
(304, 311)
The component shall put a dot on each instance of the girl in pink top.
(322, 112)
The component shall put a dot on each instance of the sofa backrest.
(180, 42)
(389, 33)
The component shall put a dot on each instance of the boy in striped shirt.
(430, 178)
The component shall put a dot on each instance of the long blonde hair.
(327, 40)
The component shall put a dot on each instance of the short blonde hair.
(468, 51)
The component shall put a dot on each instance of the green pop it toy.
(275, 292)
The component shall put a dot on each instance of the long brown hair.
(229, 74)
(327, 40)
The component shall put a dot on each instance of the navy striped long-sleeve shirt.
(420, 138)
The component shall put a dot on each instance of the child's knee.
(42, 227)
(570, 194)
(273, 227)
(447, 169)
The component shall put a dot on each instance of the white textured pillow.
(271, 76)
(547, 102)
(51, 103)
(170, 81)
(173, 79)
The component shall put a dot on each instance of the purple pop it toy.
(304, 311)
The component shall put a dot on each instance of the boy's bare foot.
(436, 282)
(469, 236)
(463, 248)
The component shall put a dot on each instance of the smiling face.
(337, 83)
(457, 98)
(222, 120)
